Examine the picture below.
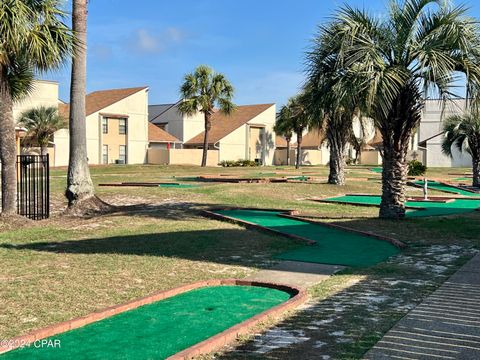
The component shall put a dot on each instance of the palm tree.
(418, 50)
(201, 91)
(283, 127)
(41, 123)
(295, 114)
(79, 183)
(463, 132)
(33, 38)
(334, 110)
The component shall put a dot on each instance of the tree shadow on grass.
(225, 246)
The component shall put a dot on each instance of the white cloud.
(147, 41)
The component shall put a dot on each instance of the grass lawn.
(66, 267)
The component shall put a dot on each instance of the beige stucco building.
(44, 93)
(116, 124)
(245, 134)
(117, 128)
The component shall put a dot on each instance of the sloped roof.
(281, 142)
(63, 110)
(312, 139)
(431, 138)
(154, 111)
(99, 100)
(376, 141)
(156, 134)
(222, 125)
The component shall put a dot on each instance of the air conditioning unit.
(120, 162)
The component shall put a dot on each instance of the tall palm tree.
(463, 132)
(201, 91)
(283, 127)
(79, 183)
(41, 123)
(33, 38)
(395, 61)
(296, 115)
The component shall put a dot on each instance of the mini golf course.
(160, 329)
(435, 185)
(150, 184)
(333, 245)
(414, 208)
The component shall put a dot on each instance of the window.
(122, 154)
(105, 125)
(122, 126)
(105, 154)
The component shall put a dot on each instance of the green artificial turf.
(178, 186)
(458, 206)
(299, 178)
(161, 329)
(334, 246)
(434, 185)
(377, 170)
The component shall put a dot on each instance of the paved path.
(296, 273)
(446, 325)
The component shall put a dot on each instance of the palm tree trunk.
(476, 171)
(79, 182)
(337, 164)
(208, 126)
(394, 178)
(337, 141)
(299, 150)
(8, 149)
(43, 150)
(288, 152)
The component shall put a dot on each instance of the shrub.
(232, 163)
(416, 168)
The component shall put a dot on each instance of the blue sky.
(258, 44)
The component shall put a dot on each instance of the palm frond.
(204, 89)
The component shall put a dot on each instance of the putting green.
(434, 185)
(334, 246)
(160, 329)
(178, 186)
(458, 206)
(298, 178)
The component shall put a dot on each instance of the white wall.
(180, 126)
(434, 114)
(45, 93)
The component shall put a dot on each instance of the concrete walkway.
(296, 273)
(445, 326)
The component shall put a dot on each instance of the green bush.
(238, 163)
(416, 168)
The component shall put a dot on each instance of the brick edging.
(443, 182)
(327, 200)
(299, 296)
(218, 341)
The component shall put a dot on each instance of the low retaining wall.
(180, 157)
